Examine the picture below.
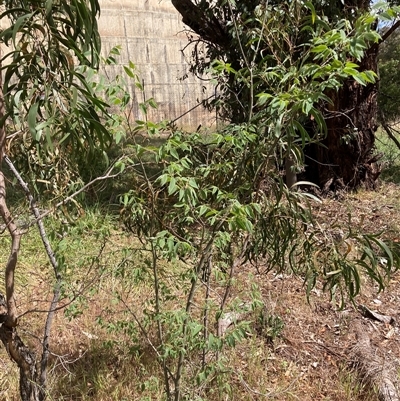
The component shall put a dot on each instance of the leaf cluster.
(61, 112)
(273, 45)
(46, 42)
(63, 151)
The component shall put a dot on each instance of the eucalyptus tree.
(216, 201)
(258, 37)
(48, 109)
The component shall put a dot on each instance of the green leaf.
(16, 28)
(263, 98)
(360, 79)
(202, 210)
(32, 120)
(118, 137)
(172, 187)
(310, 6)
(319, 49)
(193, 183)
(49, 7)
(129, 72)
(152, 103)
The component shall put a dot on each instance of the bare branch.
(388, 130)
(390, 31)
(106, 176)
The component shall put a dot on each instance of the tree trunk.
(16, 349)
(25, 359)
(346, 160)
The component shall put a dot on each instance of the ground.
(306, 352)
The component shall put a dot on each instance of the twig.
(144, 332)
(157, 311)
(237, 262)
(249, 67)
(191, 109)
(388, 130)
(205, 254)
(207, 274)
(271, 393)
(80, 190)
(389, 31)
(77, 295)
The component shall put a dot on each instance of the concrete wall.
(151, 35)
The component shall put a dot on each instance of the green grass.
(390, 157)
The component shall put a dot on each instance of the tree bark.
(346, 158)
(26, 361)
(375, 371)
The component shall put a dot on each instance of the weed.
(354, 389)
(268, 325)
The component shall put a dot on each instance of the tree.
(344, 158)
(211, 202)
(47, 107)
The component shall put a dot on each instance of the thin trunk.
(16, 349)
(57, 289)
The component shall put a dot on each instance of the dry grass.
(308, 360)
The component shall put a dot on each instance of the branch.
(36, 213)
(53, 261)
(388, 129)
(15, 348)
(389, 31)
(11, 266)
(2, 117)
(377, 372)
(15, 234)
(76, 294)
(80, 190)
(209, 28)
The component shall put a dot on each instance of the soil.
(317, 344)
